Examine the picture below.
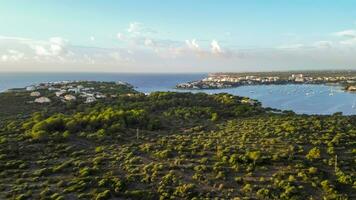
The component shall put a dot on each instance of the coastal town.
(229, 80)
(71, 91)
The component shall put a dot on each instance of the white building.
(299, 79)
(35, 94)
(90, 100)
(297, 75)
(100, 96)
(30, 88)
(75, 90)
(69, 97)
(42, 100)
(52, 89)
(60, 93)
(351, 88)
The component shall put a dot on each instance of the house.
(35, 94)
(297, 76)
(100, 96)
(70, 97)
(75, 90)
(351, 88)
(52, 89)
(90, 100)
(299, 79)
(30, 88)
(42, 100)
(60, 93)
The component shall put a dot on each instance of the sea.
(302, 99)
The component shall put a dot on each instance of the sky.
(176, 35)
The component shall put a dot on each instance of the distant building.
(60, 93)
(35, 94)
(70, 97)
(100, 96)
(42, 100)
(52, 89)
(297, 75)
(351, 88)
(299, 79)
(75, 90)
(30, 88)
(90, 100)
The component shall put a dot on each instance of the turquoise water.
(303, 99)
(307, 99)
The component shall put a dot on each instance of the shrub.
(313, 154)
(103, 195)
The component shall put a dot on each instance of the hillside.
(168, 145)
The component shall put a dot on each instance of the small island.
(346, 79)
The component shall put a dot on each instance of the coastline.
(344, 88)
(345, 79)
(284, 98)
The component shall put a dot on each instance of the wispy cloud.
(143, 47)
(349, 37)
(12, 56)
(56, 50)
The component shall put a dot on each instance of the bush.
(313, 154)
(103, 195)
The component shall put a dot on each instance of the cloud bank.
(142, 48)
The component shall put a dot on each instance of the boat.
(331, 92)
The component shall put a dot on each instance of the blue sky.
(177, 36)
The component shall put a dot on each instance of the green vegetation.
(173, 146)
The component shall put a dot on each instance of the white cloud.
(323, 44)
(291, 46)
(92, 38)
(346, 33)
(349, 35)
(41, 51)
(349, 42)
(120, 36)
(215, 47)
(134, 27)
(193, 45)
(55, 46)
(57, 50)
(137, 28)
(149, 42)
(2, 37)
(12, 56)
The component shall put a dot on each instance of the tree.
(313, 154)
(254, 155)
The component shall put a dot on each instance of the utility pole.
(137, 134)
(335, 163)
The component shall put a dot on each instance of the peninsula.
(347, 79)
